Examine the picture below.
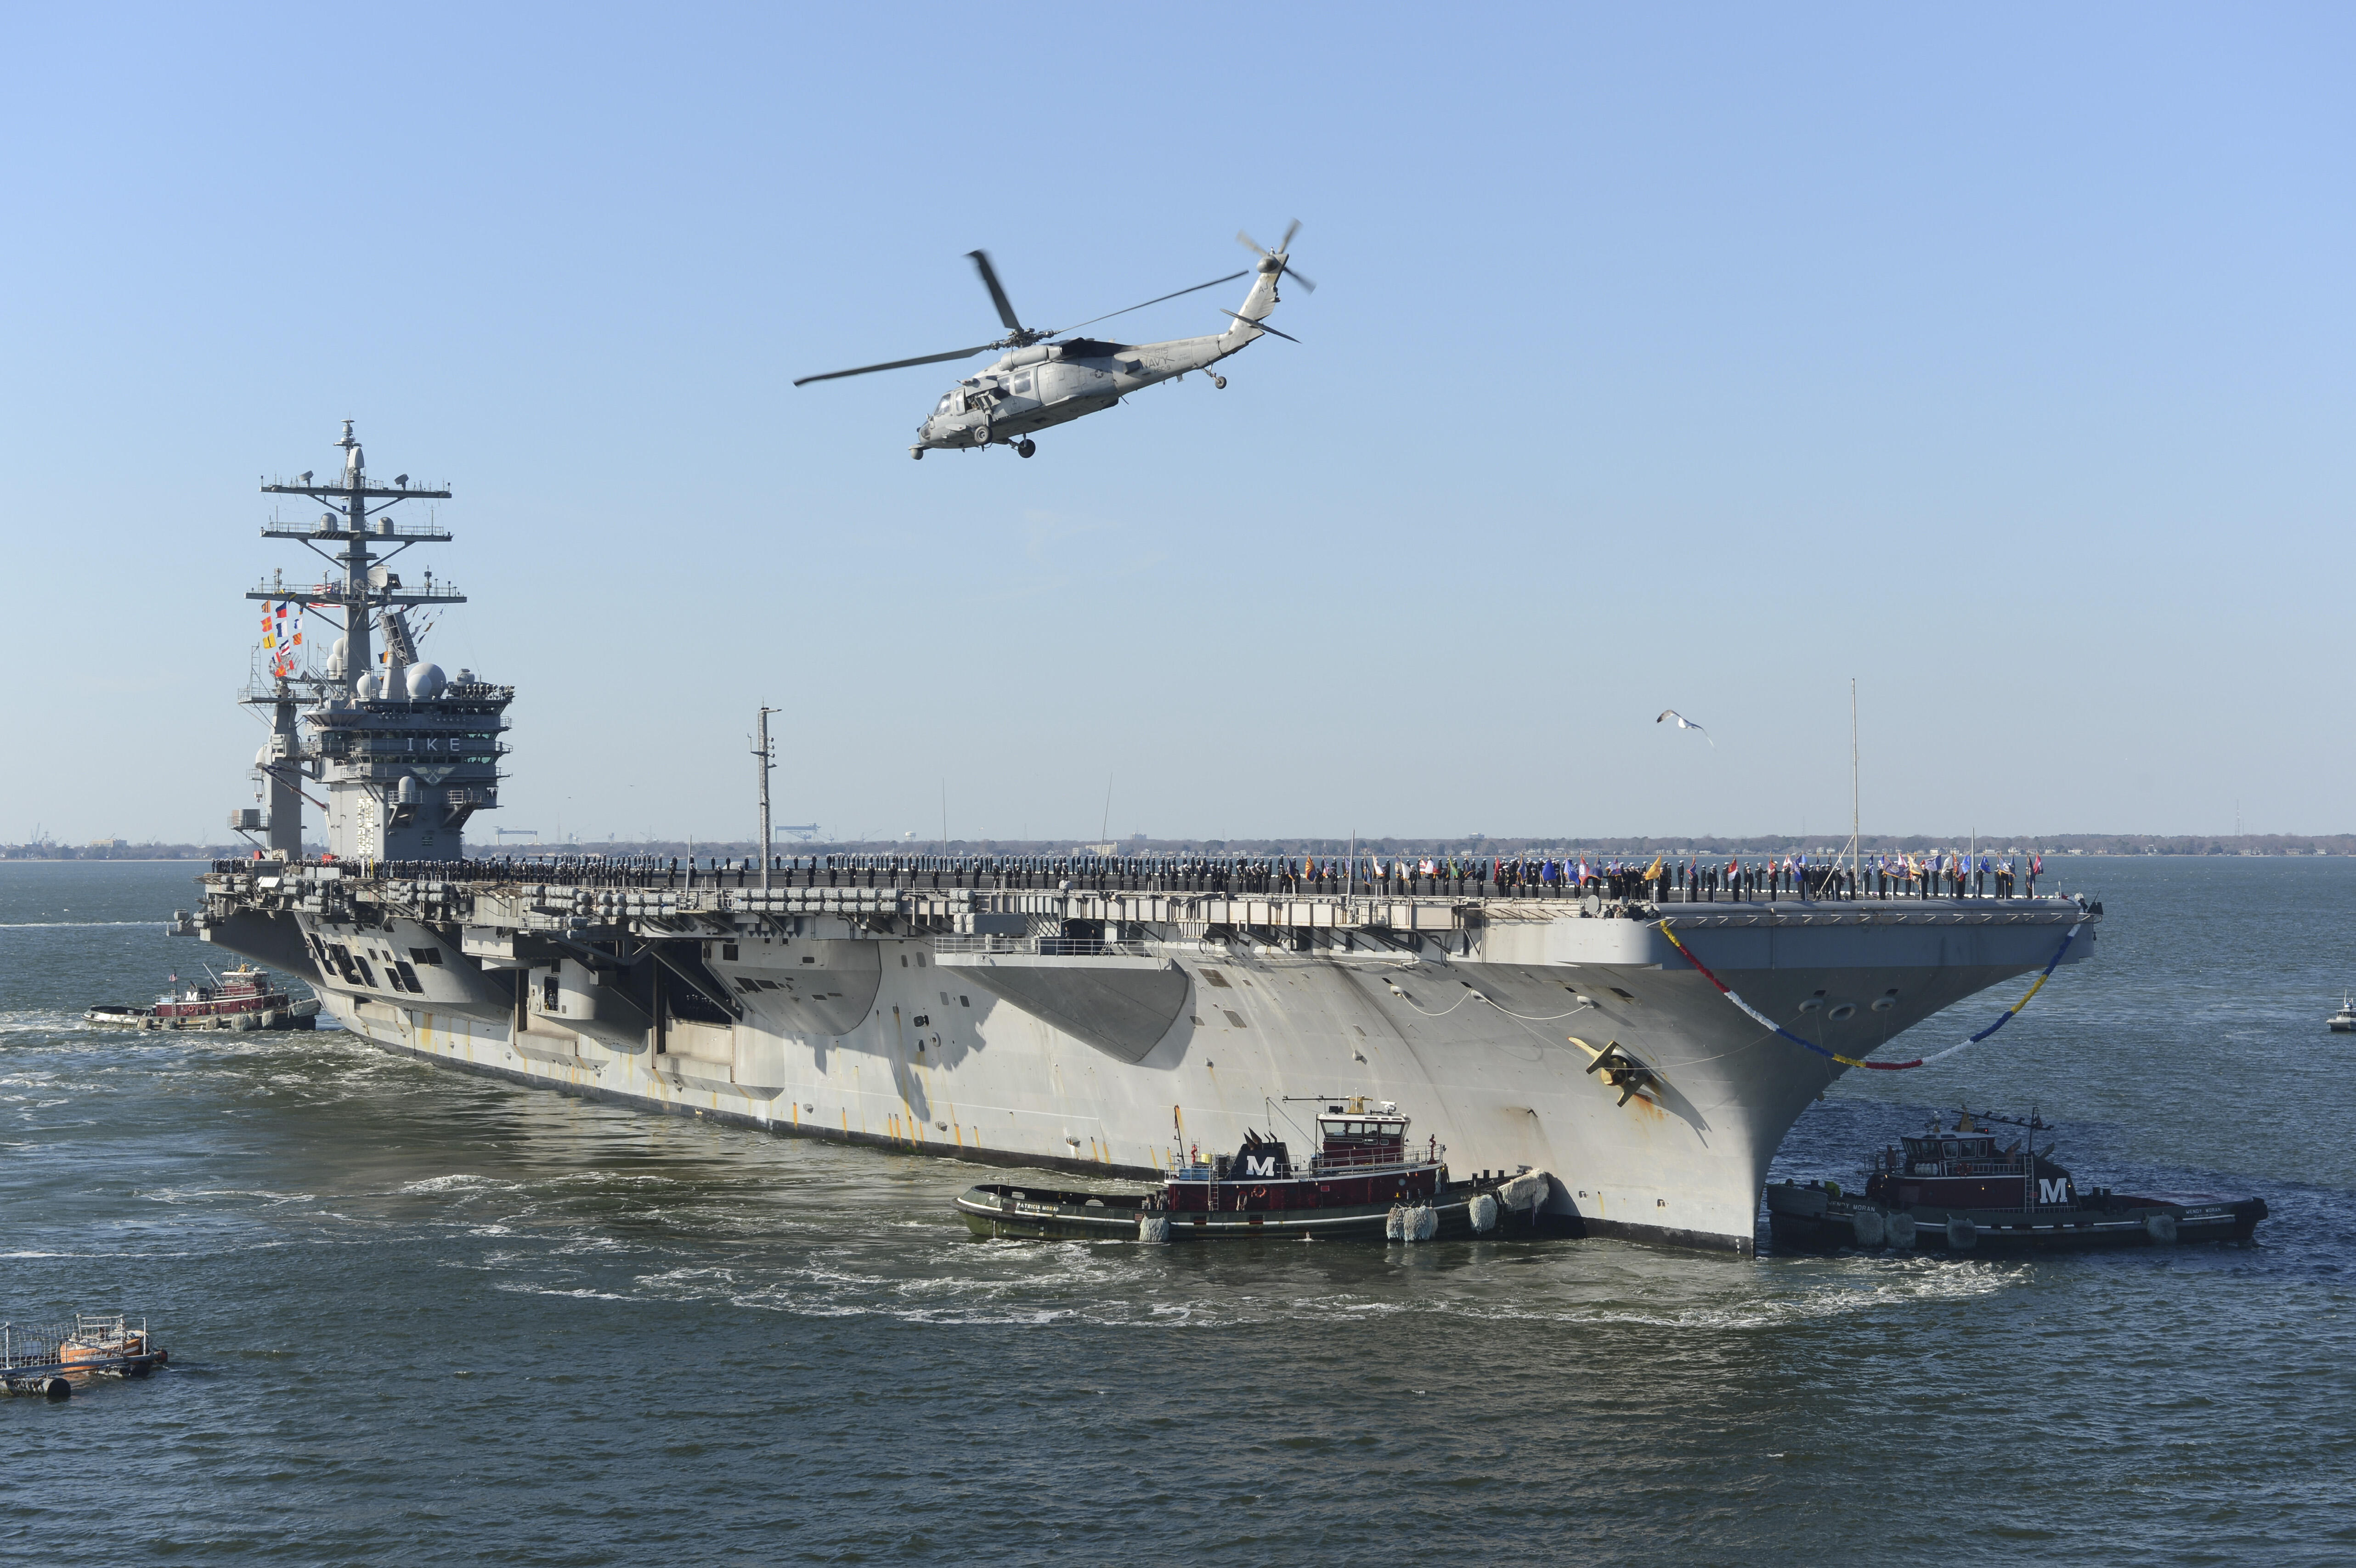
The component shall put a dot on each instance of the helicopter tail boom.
(1256, 305)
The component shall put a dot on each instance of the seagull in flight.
(1685, 724)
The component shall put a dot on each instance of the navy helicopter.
(1037, 383)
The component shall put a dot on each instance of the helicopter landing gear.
(1025, 447)
(1220, 382)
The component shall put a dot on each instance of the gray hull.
(1107, 1058)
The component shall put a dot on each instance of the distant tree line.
(119, 849)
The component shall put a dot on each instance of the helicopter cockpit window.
(947, 404)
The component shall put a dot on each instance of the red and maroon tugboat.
(1963, 1189)
(1366, 1182)
(239, 998)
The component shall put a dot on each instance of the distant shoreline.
(114, 860)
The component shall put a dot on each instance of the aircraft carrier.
(1094, 1013)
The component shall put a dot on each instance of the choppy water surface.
(420, 1317)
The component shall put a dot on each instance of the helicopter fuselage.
(1054, 383)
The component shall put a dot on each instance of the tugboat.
(2344, 1020)
(1953, 1189)
(241, 998)
(1363, 1183)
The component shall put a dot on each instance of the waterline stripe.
(1765, 1022)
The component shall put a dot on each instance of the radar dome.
(425, 680)
(365, 687)
(262, 758)
(338, 656)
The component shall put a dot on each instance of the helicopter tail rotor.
(1274, 265)
(1281, 255)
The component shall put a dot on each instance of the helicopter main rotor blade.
(1264, 327)
(898, 364)
(997, 296)
(1107, 315)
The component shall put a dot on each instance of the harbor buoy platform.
(47, 1361)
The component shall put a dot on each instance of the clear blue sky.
(1663, 357)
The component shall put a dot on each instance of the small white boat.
(2344, 1020)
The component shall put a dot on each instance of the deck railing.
(1954, 1167)
(919, 873)
(1349, 1163)
(1046, 945)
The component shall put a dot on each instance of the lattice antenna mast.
(354, 525)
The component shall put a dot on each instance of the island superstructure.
(1100, 1014)
(404, 753)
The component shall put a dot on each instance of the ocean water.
(418, 1317)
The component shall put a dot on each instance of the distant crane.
(517, 832)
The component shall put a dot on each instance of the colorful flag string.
(1765, 1022)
